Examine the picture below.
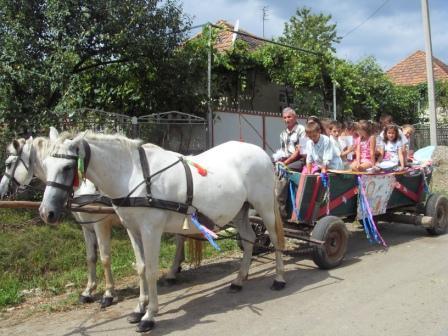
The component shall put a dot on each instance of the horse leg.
(178, 259)
(247, 236)
(91, 252)
(139, 311)
(103, 233)
(152, 240)
(271, 217)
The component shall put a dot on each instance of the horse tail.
(194, 250)
(279, 226)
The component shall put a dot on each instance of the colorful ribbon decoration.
(201, 170)
(372, 233)
(326, 184)
(208, 234)
(293, 199)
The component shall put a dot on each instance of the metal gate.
(173, 130)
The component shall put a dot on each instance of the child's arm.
(401, 157)
(372, 148)
(381, 157)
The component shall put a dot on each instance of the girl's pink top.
(364, 149)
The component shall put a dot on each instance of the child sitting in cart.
(408, 132)
(365, 147)
(321, 153)
(391, 153)
(344, 144)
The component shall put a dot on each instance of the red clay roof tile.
(412, 70)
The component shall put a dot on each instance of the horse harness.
(145, 201)
(152, 202)
(11, 177)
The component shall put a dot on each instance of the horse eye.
(67, 168)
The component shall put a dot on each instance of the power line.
(367, 19)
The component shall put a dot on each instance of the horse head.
(19, 165)
(61, 168)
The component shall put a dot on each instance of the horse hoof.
(235, 288)
(145, 326)
(278, 285)
(85, 299)
(179, 269)
(106, 302)
(171, 281)
(135, 317)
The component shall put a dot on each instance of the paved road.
(401, 291)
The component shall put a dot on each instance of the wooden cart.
(321, 223)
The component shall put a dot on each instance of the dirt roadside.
(401, 291)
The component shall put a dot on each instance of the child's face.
(407, 133)
(335, 132)
(362, 133)
(314, 136)
(391, 134)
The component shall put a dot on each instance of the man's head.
(290, 117)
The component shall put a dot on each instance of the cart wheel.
(437, 207)
(333, 232)
(262, 240)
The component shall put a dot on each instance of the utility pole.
(429, 74)
(265, 15)
(209, 141)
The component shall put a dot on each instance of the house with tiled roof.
(261, 96)
(412, 70)
(226, 37)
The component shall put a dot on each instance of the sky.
(389, 30)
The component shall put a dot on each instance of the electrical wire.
(367, 19)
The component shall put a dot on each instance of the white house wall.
(226, 127)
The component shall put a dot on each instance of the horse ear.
(53, 133)
(16, 145)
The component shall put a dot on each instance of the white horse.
(25, 160)
(238, 173)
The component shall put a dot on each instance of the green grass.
(34, 255)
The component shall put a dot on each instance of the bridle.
(69, 188)
(12, 179)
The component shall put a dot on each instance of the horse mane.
(130, 143)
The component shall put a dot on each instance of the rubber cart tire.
(333, 232)
(437, 207)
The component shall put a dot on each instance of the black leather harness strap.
(83, 200)
(149, 200)
(69, 188)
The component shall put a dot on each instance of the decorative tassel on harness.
(208, 234)
(201, 170)
(80, 173)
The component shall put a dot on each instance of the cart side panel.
(343, 196)
(408, 191)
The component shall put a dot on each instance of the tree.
(65, 54)
(307, 69)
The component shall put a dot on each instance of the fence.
(421, 137)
